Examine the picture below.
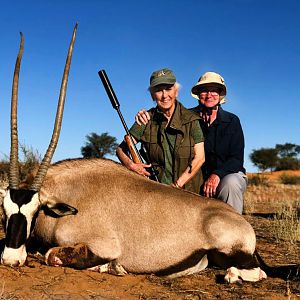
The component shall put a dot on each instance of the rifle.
(135, 155)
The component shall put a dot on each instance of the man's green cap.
(163, 76)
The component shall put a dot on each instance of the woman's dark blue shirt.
(224, 144)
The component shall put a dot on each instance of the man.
(172, 137)
(223, 171)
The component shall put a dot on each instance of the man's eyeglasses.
(213, 92)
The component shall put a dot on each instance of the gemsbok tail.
(286, 272)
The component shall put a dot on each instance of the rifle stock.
(132, 149)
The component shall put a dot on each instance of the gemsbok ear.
(58, 209)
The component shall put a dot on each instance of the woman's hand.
(176, 185)
(210, 185)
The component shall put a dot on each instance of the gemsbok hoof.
(113, 267)
(234, 275)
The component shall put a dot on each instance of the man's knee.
(231, 190)
(234, 182)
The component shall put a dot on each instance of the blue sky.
(254, 44)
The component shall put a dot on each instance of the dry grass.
(286, 225)
(270, 199)
(272, 196)
(5, 296)
(280, 202)
(275, 176)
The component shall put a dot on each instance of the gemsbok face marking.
(21, 206)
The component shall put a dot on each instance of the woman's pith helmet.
(210, 79)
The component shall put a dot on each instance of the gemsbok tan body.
(145, 226)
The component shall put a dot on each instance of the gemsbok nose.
(11, 263)
(14, 257)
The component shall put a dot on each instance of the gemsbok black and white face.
(21, 206)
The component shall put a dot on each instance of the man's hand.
(142, 117)
(139, 168)
(210, 185)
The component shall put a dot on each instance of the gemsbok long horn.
(38, 180)
(14, 165)
(14, 168)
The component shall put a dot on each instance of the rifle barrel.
(116, 105)
(112, 97)
(109, 90)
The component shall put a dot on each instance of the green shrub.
(29, 159)
(289, 179)
(288, 163)
(4, 170)
(258, 180)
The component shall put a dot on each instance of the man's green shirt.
(169, 139)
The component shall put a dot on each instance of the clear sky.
(254, 44)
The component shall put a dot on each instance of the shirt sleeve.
(197, 133)
(137, 131)
(235, 154)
